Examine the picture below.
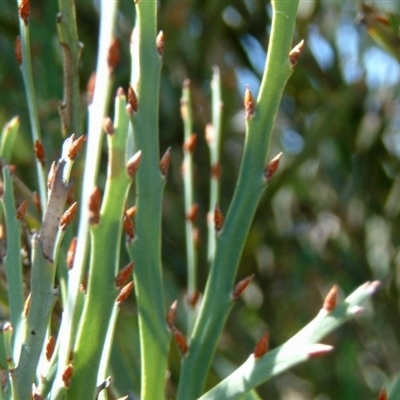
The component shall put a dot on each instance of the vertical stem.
(93, 150)
(145, 249)
(187, 171)
(213, 136)
(26, 68)
(217, 301)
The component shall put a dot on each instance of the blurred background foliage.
(330, 214)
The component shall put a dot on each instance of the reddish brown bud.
(51, 176)
(132, 100)
(18, 50)
(160, 43)
(190, 143)
(114, 55)
(131, 212)
(90, 88)
(382, 394)
(67, 375)
(108, 126)
(129, 227)
(124, 293)
(94, 206)
(192, 213)
(24, 11)
(171, 314)
(68, 216)
(27, 305)
(133, 164)
(76, 146)
(331, 299)
(196, 237)
(241, 286)
(40, 152)
(36, 200)
(249, 103)
(272, 166)
(36, 393)
(164, 162)
(261, 347)
(216, 171)
(193, 298)
(71, 252)
(180, 340)
(218, 218)
(124, 274)
(294, 54)
(50, 345)
(319, 349)
(21, 211)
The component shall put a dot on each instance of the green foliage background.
(330, 215)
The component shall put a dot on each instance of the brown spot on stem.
(133, 164)
(165, 162)
(68, 216)
(382, 394)
(108, 126)
(124, 293)
(192, 213)
(50, 345)
(67, 375)
(40, 152)
(94, 206)
(24, 11)
(114, 55)
(21, 211)
(180, 340)
(76, 146)
(190, 143)
(218, 218)
(160, 43)
(71, 253)
(132, 100)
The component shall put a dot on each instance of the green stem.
(154, 337)
(26, 68)
(191, 254)
(213, 137)
(68, 35)
(104, 263)
(217, 301)
(299, 348)
(93, 150)
(12, 260)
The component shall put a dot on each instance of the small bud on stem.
(40, 153)
(133, 164)
(165, 162)
(294, 54)
(94, 206)
(124, 274)
(249, 103)
(261, 347)
(218, 218)
(68, 216)
(272, 166)
(241, 286)
(331, 299)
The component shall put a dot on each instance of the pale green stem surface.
(101, 291)
(72, 48)
(299, 348)
(27, 74)
(12, 260)
(188, 185)
(93, 150)
(145, 248)
(217, 301)
(214, 144)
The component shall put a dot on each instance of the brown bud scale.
(40, 152)
(124, 274)
(249, 103)
(218, 218)
(71, 252)
(68, 216)
(190, 143)
(171, 314)
(132, 100)
(382, 394)
(21, 211)
(76, 147)
(261, 347)
(165, 162)
(94, 206)
(241, 286)
(50, 346)
(24, 11)
(114, 55)
(124, 293)
(294, 54)
(67, 375)
(331, 299)
(272, 166)
(180, 341)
